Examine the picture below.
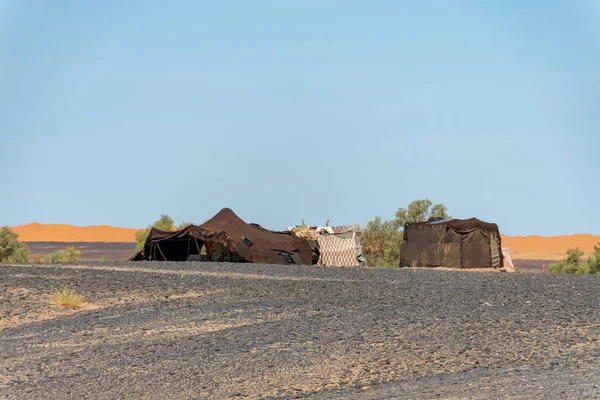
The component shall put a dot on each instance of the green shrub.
(594, 261)
(70, 254)
(574, 264)
(164, 223)
(103, 258)
(55, 257)
(381, 240)
(11, 250)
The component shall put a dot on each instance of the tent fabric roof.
(460, 225)
(227, 221)
(227, 229)
(266, 243)
(345, 228)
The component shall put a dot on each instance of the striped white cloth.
(337, 252)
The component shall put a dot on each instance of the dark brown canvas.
(454, 243)
(226, 237)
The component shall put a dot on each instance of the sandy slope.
(522, 247)
(68, 233)
(547, 248)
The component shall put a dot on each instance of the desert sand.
(68, 233)
(522, 247)
(548, 248)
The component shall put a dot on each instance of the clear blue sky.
(113, 112)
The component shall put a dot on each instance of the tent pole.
(161, 253)
(208, 251)
(198, 247)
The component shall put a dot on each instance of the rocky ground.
(221, 331)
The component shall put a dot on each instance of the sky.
(114, 112)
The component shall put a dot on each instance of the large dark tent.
(455, 243)
(226, 237)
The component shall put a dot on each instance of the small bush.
(594, 261)
(66, 298)
(11, 250)
(55, 257)
(70, 254)
(103, 258)
(573, 263)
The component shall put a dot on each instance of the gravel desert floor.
(222, 331)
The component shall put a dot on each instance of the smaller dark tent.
(456, 243)
(226, 237)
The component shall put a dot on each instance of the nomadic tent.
(226, 237)
(338, 245)
(455, 243)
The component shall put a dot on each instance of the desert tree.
(574, 264)
(593, 263)
(381, 240)
(164, 223)
(11, 250)
(571, 264)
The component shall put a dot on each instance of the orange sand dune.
(68, 233)
(522, 247)
(547, 248)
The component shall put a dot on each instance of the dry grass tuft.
(66, 298)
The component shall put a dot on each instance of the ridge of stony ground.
(212, 330)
